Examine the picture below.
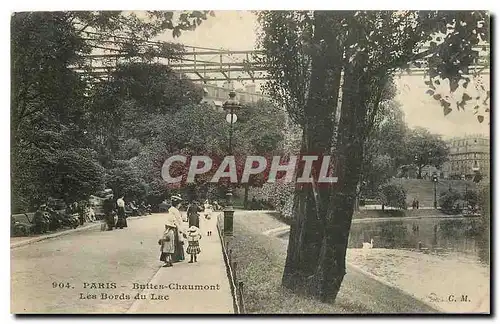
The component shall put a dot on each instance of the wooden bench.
(21, 224)
(25, 218)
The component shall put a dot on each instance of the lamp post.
(435, 181)
(230, 106)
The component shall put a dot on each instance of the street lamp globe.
(231, 118)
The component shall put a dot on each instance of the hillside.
(423, 190)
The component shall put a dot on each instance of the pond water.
(436, 234)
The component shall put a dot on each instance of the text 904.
(62, 285)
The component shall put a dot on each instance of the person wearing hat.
(109, 208)
(174, 212)
(192, 214)
(167, 242)
(122, 218)
(193, 238)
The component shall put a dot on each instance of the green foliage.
(54, 112)
(47, 101)
(450, 201)
(44, 90)
(280, 196)
(485, 222)
(75, 176)
(392, 195)
(378, 171)
(134, 103)
(305, 53)
(472, 198)
(455, 46)
(124, 181)
(384, 148)
(286, 39)
(424, 148)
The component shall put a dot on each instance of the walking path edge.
(60, 233)
(281, 230)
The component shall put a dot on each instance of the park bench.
(22, 224)
(163, 207)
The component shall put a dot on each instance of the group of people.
(111, 209)
(118, 208)
(172, 241)
(415, 204)
(47, 218)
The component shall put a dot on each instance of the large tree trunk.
(315, 262)
(311, 201)
(331, 269)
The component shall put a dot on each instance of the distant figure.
(109, 207)
(208, 209)
(81, 207)
(414, 204)
(192, 214)
(122, 219)
(418, 204)
(40, 220)
(90, 214)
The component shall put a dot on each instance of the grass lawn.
(261, 259)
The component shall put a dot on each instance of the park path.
(119, 259)
(208, 290)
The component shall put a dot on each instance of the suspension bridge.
(203, 64)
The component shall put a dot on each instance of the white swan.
(367, 245)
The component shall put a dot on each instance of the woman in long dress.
(179, 232)
(192, 214)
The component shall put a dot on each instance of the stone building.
(468, 155)
(216, 95)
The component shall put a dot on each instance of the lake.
(444, 234)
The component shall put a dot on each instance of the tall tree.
(128, 104)
(259, 132)
(425, 149)
(367, 47)
(384, 147)
(49, 111)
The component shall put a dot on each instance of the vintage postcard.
(250, 162)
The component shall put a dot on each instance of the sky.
(237, 30)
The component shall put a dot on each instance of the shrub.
(393, 195)
(450, 201)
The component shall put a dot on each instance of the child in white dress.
(193, 238)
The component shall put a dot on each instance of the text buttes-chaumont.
(175, 286)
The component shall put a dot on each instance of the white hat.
(176, 197)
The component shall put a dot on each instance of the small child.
(167, 244)
(193, 238)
